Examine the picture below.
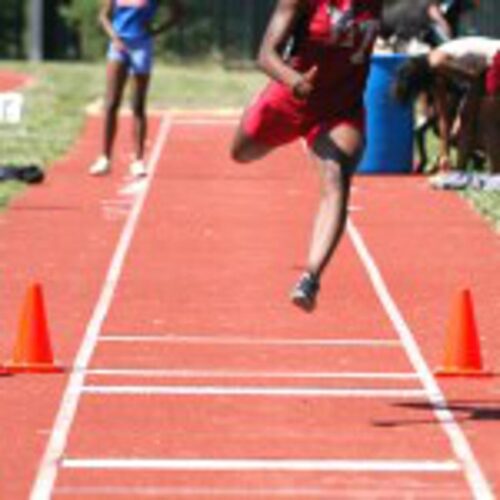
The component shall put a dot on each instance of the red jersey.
(337, 37)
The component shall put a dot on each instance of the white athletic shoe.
(101, 166)
(137, 169)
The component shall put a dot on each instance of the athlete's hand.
(119, 45)
(444, 163)
(303, 87)
(441, 164)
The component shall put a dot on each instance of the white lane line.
(477, 482)
(132, 187)
(293, 392)
(186, 339)
(47, 471)
(206, 122)
(247, 374)
(198, 493)
(208, 492)
(353, 491)
(260, 465)
(220, 113)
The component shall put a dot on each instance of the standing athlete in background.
(317, 53)
(128, 24)
(423, 20)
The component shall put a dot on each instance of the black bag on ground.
(30, 174)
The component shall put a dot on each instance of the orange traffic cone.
(33, 352)
(462, 355)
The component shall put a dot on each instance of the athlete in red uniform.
(317, 53)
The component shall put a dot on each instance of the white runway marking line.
(206, 122)
(274, 392)
(250, 341)
(197, 493)
(132, 187)
(47, 472)
(245, 465)
(337, 492)
(149, 373)
(475, 478)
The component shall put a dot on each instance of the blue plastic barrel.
(389, 146)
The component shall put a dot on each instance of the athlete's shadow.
(462, 411)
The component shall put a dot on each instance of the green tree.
(82, 16)
(232, 28)
(11, 29)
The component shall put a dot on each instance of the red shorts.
(493, 76)
(276, 117)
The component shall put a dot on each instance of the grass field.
(55, 110)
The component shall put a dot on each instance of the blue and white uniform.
(130, 20)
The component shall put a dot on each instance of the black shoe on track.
(305, 291)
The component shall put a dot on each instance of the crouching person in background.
(468, 67)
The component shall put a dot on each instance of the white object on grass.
(11, 107)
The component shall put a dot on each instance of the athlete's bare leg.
(489, 130)
(467, 134)
(244, 149)
(116, 80)
(139, 97)
(336, 155)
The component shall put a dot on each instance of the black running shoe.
(304, 293)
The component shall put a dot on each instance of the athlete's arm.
(444, 122)
(105, 13)
(270, 60)
(437, 17)
(176, 11)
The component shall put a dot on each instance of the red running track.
(195, 378)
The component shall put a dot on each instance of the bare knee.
(111, 106)
(339, 160)
(245, 150)
(238, 153)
